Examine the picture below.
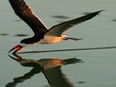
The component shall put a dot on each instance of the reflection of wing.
(26, 13)
(51, 68)
(59, 29)
(53, 73)
(27, 76)
(56, 78)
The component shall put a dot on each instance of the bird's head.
(17, 48)
(22, 44)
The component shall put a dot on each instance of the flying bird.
(43, 35)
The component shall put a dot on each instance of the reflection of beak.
(15, 57)
(16, 48)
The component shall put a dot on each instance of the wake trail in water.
(78, 49)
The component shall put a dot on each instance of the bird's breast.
(50, 40)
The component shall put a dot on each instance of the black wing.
(56, 78)
(26, 13)
(51, 68)
(59, 29)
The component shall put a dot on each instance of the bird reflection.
(26, 76)
(51, 68)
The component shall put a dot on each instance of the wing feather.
(25, 12)
(61, 28)
(56, 78)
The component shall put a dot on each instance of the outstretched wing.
(26, 13)
(51, 68)
(59, 29)
(56, 78)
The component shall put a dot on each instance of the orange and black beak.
(16, 49)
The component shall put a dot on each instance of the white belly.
(50, 40)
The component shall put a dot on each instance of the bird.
(43, 35)
(49, 67)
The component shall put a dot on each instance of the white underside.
(51, 40)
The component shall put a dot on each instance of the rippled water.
(98, 68)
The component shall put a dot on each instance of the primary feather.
(24, 11)
(61, 28)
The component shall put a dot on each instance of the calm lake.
(99, 67)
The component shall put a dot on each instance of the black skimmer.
(51, 68)
(43, 35)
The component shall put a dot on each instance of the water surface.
(98, 69)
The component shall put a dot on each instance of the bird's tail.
(72, 61)
(70, 38)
